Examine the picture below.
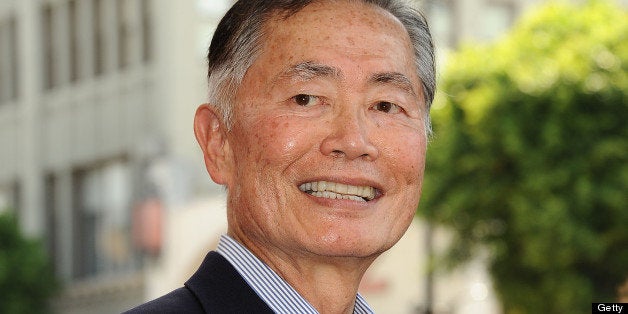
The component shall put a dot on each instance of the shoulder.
(181, 300)
(221, 289)
(216, 287)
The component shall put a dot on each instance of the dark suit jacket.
(216, 287)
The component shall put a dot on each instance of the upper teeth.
(335, 190)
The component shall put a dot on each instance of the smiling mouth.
(333, 190)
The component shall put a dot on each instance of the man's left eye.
(387, 107)
(305, 100)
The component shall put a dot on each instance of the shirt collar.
(268, 285)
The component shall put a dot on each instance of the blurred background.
(105, 202)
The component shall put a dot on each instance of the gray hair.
(237, 43)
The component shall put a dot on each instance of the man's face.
(328, 140)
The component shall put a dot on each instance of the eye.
(305, 100)
(387, 107)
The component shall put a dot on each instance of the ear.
(211, 135)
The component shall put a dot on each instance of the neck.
(330, 284)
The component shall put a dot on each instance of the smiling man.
(317, 124)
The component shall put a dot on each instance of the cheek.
(276, 141)
(407, 154)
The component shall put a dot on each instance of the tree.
(530, 158)
(26, 281)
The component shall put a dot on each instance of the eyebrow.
(309, 70)
(396, 79)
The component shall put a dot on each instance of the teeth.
(335, 190)
(322, 186)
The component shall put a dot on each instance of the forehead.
(356, 41)
(352, 26)
(339, 10)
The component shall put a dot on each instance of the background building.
(97, 99)
(98, 157)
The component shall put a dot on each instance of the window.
(124, 32)
(3, 72)
(119, 32)
(98, 37)
(73, 23)
(47, 14)
(147, 35)
(102, 240)
(134, 32)
(9, 87)
(50, 185)
(13, 44)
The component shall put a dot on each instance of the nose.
(348, 138)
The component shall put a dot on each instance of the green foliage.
(530, 158)
(26, 281)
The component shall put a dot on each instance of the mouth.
(334, 190)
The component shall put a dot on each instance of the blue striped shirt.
(269, 286)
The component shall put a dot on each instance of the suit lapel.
(221, 289)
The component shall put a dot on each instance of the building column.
(31, 214)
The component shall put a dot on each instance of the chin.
(352, 246)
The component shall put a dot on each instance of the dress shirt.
(269, 286)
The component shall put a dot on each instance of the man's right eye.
(305, 100)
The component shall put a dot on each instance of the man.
(317, 126)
